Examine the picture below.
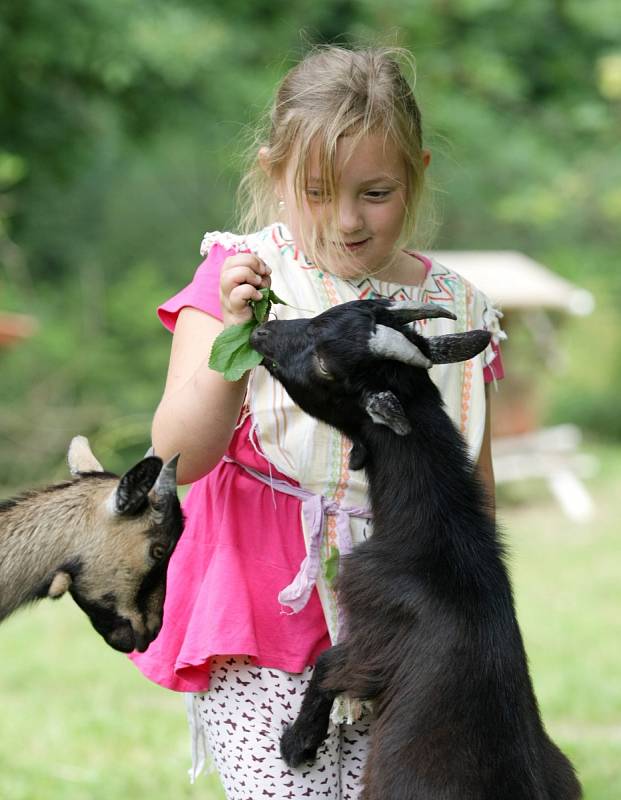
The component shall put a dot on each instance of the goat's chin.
(123, 639)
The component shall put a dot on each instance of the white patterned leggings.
(242, 717)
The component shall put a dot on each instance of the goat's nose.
(259, 338)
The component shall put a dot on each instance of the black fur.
(432, 632)
(115, 629)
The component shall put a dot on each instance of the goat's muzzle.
(126, 639)
(121, 638)
(259, 339)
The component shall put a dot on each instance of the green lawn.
(79, 723)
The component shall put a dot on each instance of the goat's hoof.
(296, 749)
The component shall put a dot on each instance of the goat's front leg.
(300, 741)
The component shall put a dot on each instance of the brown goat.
(107, 540)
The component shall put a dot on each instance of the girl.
(250, 602)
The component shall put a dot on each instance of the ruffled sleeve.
(203, 292)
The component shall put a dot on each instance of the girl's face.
(368, 216)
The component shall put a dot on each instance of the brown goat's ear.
(81, 458)
(131, 493)
(455, 347)
(385, 409)
(59, 585)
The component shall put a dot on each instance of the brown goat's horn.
(81, 458)
(410, 310)
(166, 482)
(389, 343)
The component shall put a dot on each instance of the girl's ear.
(426, 158)
(263, 156)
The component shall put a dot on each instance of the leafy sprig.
(231, 352)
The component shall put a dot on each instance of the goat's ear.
(81, 458)
(131, 494)
(59, 585)
(357, 455)
(457, 346)
(385, 409)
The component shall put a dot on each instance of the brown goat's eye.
(158, 551)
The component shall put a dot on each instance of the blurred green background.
(121, 125)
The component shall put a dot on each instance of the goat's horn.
(455, 347)
(166, 482)
(389, 343)
(410, 310)
(81, 458)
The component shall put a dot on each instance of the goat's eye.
(158, 551)
(322, 367)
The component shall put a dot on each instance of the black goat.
(432, 636)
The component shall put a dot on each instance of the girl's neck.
(405, 270)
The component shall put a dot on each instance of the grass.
(568, 593)
(78, 722)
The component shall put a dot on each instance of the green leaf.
(244, 358)
(231, 352)
(275, 299)
(261, 308)
(227, 343)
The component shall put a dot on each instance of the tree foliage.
(121, 122)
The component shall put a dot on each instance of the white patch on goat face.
(388, 343)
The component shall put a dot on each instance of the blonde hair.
(331, 93)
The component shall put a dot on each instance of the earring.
(281, 204)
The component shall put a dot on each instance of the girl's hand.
(241, 278)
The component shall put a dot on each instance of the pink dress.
(242, 544)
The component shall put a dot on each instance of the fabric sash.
(315, 509)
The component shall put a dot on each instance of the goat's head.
(130, 528)
(343, 365)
